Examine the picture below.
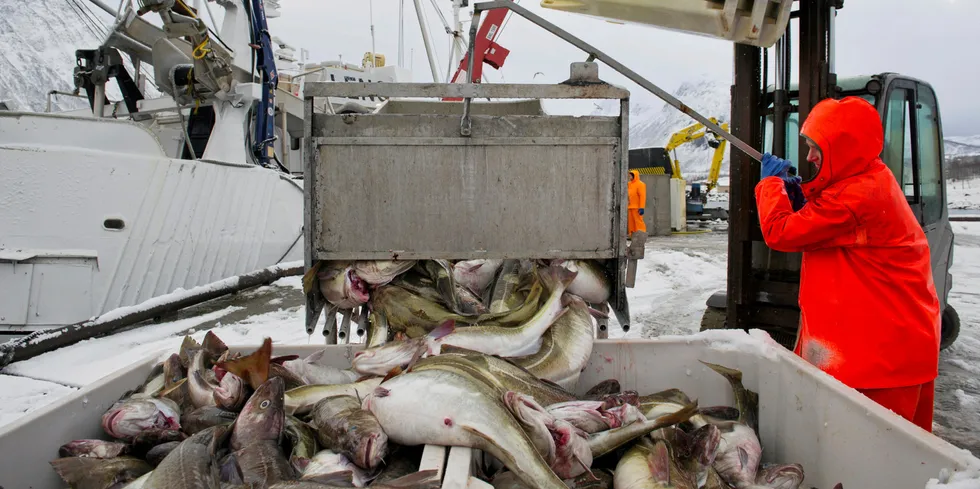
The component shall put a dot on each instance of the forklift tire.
(950, 328)
(714, 318)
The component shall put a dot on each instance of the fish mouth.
(358, 287)
(110, 424)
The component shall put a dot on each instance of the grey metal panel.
(516, 201)
(464, 90)
(510, 107)
(405, 126)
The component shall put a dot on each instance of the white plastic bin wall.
(805, 416)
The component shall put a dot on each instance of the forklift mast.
(763, 284)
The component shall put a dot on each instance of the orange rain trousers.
(914, 403)
(637, 199)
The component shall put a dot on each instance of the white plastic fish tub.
(805, 416)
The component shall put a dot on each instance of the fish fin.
(310, 276)
(598, 314)
(727, 413)
(283, 359)
(187, 349)
(743, 457)
(585, 466)
(423, 479)
(510, 460)
(364, 377)
(73, 469)
(419, 353)
(213, 345)
(395, 372)
(253, 368)
(381, 392)
(733, 375)
(678, 417)
(659, 462)
(173, 388)
(443, 330)
(839, 486)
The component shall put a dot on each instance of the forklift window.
(898, 153)
(930, 170)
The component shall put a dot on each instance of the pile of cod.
(502, 383)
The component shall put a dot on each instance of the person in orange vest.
(869, 310)
(637, 192)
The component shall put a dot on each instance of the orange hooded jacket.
(870, 313)
(637, 191)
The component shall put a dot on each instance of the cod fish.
(606, 441)
(344, 427)
(739, 452)
(590, 281)
(300, 401)
(446, 408)
(563, 446)
(602, 389)
(127, 419)
(256, 434)
(425, 479)
(381, 272)
(201, 381)
(789, 476)
(596, 416)
(231, 392)
(383, 359)
(95, 473)
(498, 374)
(341, 286)
(92, 449)
(328, 467)
(311, 371)
(190, 465)
(206, 417)
(646, 465)
(156, 454)
(565, 347)
(746, 401)
(509, 342)
(476, 275)
(175, 387)
(302, 438)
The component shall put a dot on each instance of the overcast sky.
(934, 40)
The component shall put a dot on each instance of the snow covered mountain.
(652, 122)
(39, 40)
(962, 146)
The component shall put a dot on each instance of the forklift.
(763, 284)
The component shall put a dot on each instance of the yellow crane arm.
(716, 162)
(684, 136)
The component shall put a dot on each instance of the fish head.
(788, 476)
(705, 442)
(263, 417)
(380, 360)
(573, 457)
(127, 419)
(369, 441)
(230, 392)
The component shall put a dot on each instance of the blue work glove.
(641, 212)
(774, 166)
(795, 192)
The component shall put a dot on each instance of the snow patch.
(955, 480)
(963, 194)
(19, 396)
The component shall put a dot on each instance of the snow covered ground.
(678, 274)
(963, 194)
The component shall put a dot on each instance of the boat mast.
(427, 41)
(401, 33)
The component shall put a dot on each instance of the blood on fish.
(448, 422)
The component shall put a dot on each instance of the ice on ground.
(19, 396)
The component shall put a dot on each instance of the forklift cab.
(914, 152)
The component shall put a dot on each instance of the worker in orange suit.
(870, 313)
(637, 191)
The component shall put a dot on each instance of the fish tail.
(169, 390)
(253, 368)
(392, 373)
(423, 479)
(444, 329)
(310, 276)
(730, 374)
(556, 276)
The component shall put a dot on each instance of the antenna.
(371, 16)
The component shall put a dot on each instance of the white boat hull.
(69, 183)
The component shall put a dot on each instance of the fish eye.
(265, 404)
(176, 378)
